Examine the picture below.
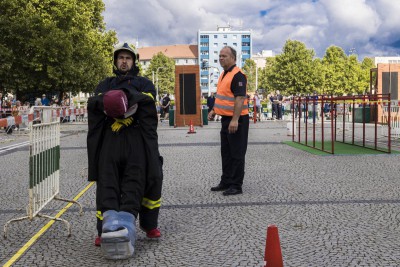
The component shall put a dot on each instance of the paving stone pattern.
(330, 210)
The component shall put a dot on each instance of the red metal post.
(344, 118)
(332, 139)
(376, 120)
(353, 122)
(363, 119)
(299, 108)
(306, 119)
(322, 121)
(390, 126)
(313, 114)
(254, 110)
(292, 109)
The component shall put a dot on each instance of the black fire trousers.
(122, 171)
(233, 151)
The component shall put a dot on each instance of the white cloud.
(369, 26)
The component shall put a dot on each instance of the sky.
(367, 28)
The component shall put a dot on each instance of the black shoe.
(219, 187)
(232, 191)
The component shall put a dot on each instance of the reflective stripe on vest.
(225, 100)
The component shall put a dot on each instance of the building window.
(204, 36)
(215, 44)
(216, 36)
(235, 44)
(215, 60)
(234, 36)
(225, 36)
(246, 36)
(216, 53)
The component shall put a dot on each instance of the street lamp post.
(156, 81)
(256, 78)
(209, 78)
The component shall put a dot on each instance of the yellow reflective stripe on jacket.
(148, 94)
(99, 215)
(151, 204)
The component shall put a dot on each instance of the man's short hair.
(233, 51)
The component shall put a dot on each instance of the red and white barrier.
(74, 114)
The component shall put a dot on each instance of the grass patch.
(340, 148)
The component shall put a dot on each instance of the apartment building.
(210, 43)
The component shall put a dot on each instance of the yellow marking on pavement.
(44, 229)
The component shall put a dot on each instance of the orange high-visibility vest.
(225, 100)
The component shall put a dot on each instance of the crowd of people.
(11, 106)
(275, 101)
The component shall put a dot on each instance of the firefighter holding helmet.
(122, 144)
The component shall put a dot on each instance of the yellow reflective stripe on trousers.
(99, 215)
(151, 204)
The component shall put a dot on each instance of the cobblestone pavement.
(330, 210)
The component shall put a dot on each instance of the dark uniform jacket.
(145, 118)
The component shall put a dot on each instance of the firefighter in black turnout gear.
(122, 144)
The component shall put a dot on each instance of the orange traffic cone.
(191, 128)
(273, 253)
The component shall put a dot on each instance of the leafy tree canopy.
(53, 45)
(162, 72)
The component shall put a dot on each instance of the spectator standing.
(165, 102)
(279, 99)
(273, 100)
(258, 105)
(45, 101)
(231, 104)
(210, 102)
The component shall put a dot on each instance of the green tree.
(319, 75)
(249, 68)
(265, 74)
(165, 73)
(366, 65)
(352, 73)
(55, 45)
(293, 70)
(334, 62)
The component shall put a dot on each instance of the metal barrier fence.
(390, 114)
(347, 119)
(394, 118)
(44, 164)
(73, 114)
